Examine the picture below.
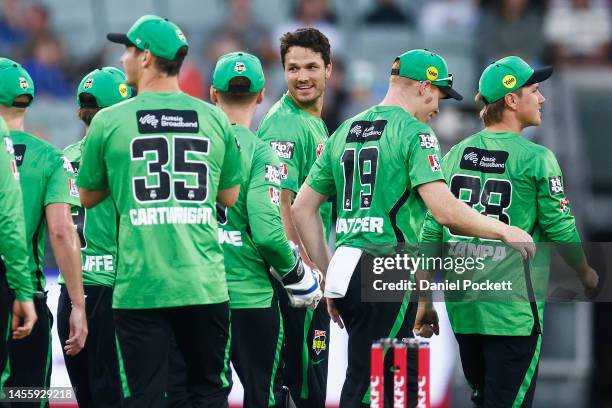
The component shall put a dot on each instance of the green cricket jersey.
(298, 138)
(164, 157)
(97, 229)
(46, 177)
(374, 162)
(13, 244)
(505, 176)
(251, 231)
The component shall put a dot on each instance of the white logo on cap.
(239, 67)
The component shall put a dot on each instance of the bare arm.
(66, 248)
(309, 225)
(229, 196)
(91, 198)
(455, 214)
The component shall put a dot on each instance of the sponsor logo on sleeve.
(20, 150)
(319, 341)
(167, 120)
(485, 161)
(8, 143)
(320, 149)
(67, 165)
(74, 191)
(564, 205)
(273, 174)
(284, 149)
(555, 184)
(434, 162)
(364, 131)
(429, 141)
(275, 197)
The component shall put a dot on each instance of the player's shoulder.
(263, 152)
(73, 151)
(282, 121)
(35, 143)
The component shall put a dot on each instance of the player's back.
(376, 160)
(501, 175)
(97, 230)
(46, 177)
(165, 157)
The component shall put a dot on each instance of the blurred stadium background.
(58, 41)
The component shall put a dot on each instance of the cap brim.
(118, 38)
(539, 75)
(450, 93)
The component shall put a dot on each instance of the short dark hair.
(89, 107)
(238, 92)
(493, 113)
(308, 38)
(169, 67)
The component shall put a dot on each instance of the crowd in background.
(562, 32)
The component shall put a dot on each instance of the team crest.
(434, 162)
(564, 205)
(284, 171)
(319, 149)
(275, 197)
(23, 83)
(239, 67)
(319, 341)
(88, 84)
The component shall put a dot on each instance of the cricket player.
(501, 174)
(49, 193)
(94, 373)
(165, 158)
(295, 130)
(253, 240)
(383, 166)
(14, 273)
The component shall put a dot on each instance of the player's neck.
(396, 97)
(314, 108)
(14, 117)
(239, 115)
(155, 82)
(506, 125)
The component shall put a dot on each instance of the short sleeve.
(285, 138)
(554, 214)
(321, 177)
(92, 171)
(423, 156)
(61, 186)
(263, 207)
(231, 169)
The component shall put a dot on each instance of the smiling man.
(295, 130)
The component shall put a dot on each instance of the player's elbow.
(62, 231)
(229, 196)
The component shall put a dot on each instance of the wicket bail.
(400, 372)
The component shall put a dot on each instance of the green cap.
(158, 35)
(507, 75)
(238, 64)
(424, 65)
(14, 81)
(107, 85)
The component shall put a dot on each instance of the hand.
(426, 321)
(27, 312)
(590, 281)
(307, 291)
(520, 240)
(334, 314)
(78, 331)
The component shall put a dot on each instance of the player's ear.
(214, 98)
(261, 95)
(146, 58)
(511, 100)
(328, 70)
(423, 87)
